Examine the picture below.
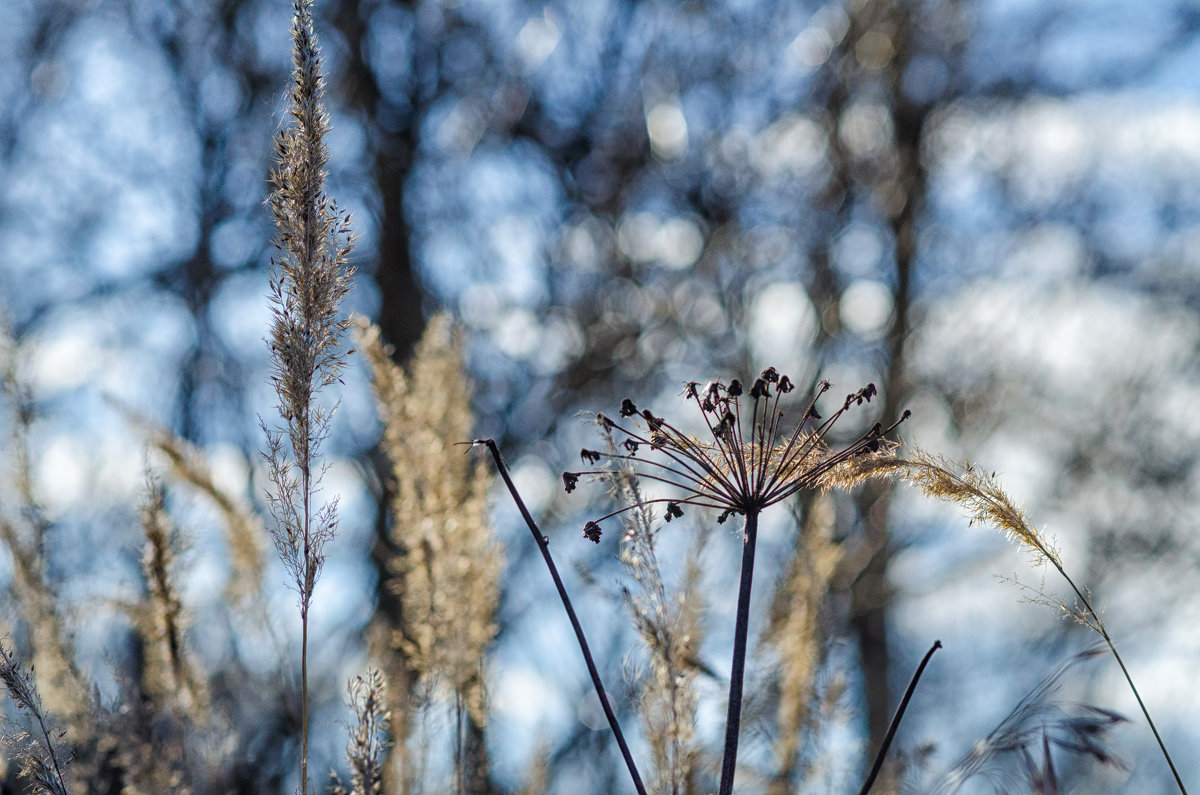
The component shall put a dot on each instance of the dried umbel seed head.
(745, 462)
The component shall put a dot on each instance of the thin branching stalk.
(310, 277)
(544, 545)
(986, 502)
(1039, 720)
(671, 631)
(895, 724)
(368, 736)
(42, 754)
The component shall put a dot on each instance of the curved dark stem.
(544, 545)
(733, 719)
(1098, 625)
(891, 732)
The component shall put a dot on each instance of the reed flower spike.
(746, 462)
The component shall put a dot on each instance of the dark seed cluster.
(745, 462)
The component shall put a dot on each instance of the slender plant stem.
(544, 545)
(733, 719)
(1098, 625)
(304, 703)
(891, 732)
(53, 754)
(305, 599)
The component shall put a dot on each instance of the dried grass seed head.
(963, 484)
(746, 461)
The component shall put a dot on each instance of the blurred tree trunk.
(894, 185)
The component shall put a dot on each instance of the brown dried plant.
(63, 685)
(244, 528)
(1039, 722)
(671, 629)
(794, 635)
(986, 502)
(171, 675)
(310, 277)
(735, 469)
(367, 743)
(41, 750)
(444, 567)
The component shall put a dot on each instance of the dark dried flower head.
(592, 532)
(570, 479)
(745, 461)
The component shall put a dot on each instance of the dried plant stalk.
(1040, 720)
(310, 277)
(244, 528)
(367, 743)
(41, 750)
(671, 630)
(986, 502)
(63, 686)
(445, 563)
(746, 462)
(794, 633)
(171, 675)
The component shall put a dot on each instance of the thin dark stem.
(305, 596)
(891, 732)
(544, 545)
(304, 705)
(733, 719)
(53, 752)
(1098, 625)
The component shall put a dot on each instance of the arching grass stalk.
(986, 502)
(742, 464)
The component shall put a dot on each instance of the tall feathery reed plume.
(41, 750)
(310, 277)
(671, 628)
(367, 743)
(444, 563)
(735, 470)
(986, 503)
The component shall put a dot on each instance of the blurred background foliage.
(990, 209)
